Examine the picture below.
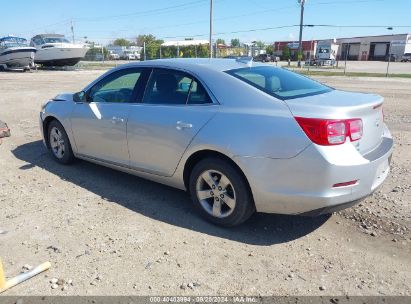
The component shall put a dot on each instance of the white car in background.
(114, 56)
(129, 56)
(406, 57)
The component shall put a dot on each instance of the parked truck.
(123, 52)
(325, 55)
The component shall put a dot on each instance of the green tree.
(95, 53)
(148, 39)
(235, 42)
(286, 52)
(121, 42)
(300, 55)
(203, 50)
(152, 46)
(269, 50)
(260, 44)
(190, 51)
(220, 41)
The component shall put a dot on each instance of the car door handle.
(116, 120)
(183, 125)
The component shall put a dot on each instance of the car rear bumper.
(305, 184)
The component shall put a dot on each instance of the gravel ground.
(109, 233)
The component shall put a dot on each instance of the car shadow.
(164, 203)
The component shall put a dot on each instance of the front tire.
(59, 143)
(220, 192)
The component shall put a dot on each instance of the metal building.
(309, 48)
(374, 47)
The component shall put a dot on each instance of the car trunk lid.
(345, 105)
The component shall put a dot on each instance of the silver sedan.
(239, 136)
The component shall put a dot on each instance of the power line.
(289, 26)
(184, 6)
(224, 18)
(215, 19)
(270, 28)
(146, 12)
(140, 13)
(357, 26)
(173, 8)
(345, 2)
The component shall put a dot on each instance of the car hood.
(64, 97)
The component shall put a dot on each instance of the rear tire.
(59, 143)
(220, 192)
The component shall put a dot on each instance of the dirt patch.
(109, 233)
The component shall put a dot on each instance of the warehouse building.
(309, 48)
(355, 48)
(374, 47)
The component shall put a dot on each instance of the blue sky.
(105, 20)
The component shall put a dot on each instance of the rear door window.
(198, 95)
(174, 87)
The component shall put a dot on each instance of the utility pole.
(301, 2)
(72, 30)
(389, 59)
(389, 53)
(347, 51)
(211, 29)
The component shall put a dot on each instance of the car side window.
(198, 95)
(272, 83)
(174, 87)
(115, 88)
(167, 87)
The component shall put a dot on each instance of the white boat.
(15, 53)
(56, 50)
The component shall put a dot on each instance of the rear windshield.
(278, 82)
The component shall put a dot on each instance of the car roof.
(195, 64)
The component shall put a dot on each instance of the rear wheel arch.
(198, 156)
(236, 188)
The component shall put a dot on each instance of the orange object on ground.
(2, 277)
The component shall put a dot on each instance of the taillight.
(355, 129)
(336, 132)
(328, 132)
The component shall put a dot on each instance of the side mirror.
(80, 97)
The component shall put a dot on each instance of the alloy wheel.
(57, 143)
(216, 193)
